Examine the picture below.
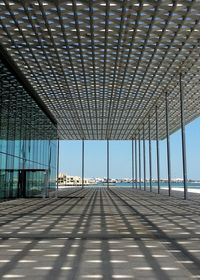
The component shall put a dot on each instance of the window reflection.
(27, 142)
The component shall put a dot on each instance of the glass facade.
(28, 145)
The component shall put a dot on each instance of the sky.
(121, 160)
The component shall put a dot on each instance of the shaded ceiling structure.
(102, 67)
(21, 110)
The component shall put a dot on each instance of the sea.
(192, 187)
(178, 186)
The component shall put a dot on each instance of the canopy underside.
(102, 67)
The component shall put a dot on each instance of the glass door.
(35, 183)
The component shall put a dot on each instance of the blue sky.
(120, 156)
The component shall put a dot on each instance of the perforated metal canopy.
(20, 116)
(101, 67)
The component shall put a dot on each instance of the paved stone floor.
(100, 234)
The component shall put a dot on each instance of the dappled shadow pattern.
(97, 233)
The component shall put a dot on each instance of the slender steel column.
(184, 159)
(157, 149)
(168, 148)
(83, 163)
(58, 152)
(150, 161)
(144, 157)
(136, 185)
(132, 164)
(108, 154)
(139, 160)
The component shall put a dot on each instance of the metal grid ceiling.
(102, 66)
(20, 116)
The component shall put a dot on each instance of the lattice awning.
(102, 66)
(20, 116)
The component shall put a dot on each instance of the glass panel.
(28, 142)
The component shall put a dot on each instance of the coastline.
(181, 189)
(190, 189)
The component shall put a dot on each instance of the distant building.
(68, 180)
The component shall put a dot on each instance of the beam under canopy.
(99, 67)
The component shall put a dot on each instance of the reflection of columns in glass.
(83, 162)
(144, 158)
(107, 164)
(132, 155)
(45, 188)
(168, 147)
(135, 162)
(58, 151)
(184, 160)
(139, 151)
(150, 161)
(157, 150)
